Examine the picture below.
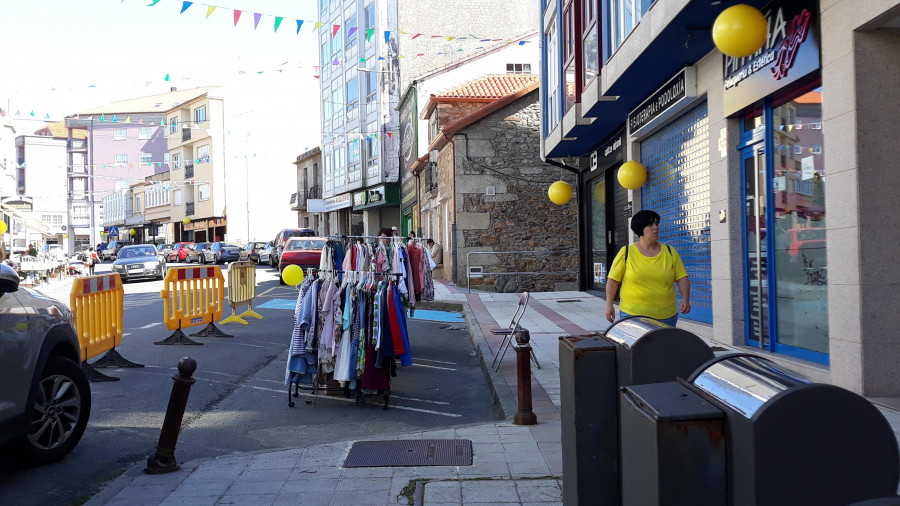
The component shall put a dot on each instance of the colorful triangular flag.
(299, 24)
(167, 78)
(387, 36)
(334, 29)
(237, 16)
(278, 20)
(351, 31)
(318, 24)
(209, 10)
(128, 119)
(140, 121)
(32, 113)
(417, 35)
(184, 6)
(256, 17)
(115, 119)
(369, 33)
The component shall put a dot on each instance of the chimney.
(173, 89)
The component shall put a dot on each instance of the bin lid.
(745, 382)
(671, 401)
(627, 332)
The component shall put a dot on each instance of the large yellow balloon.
(186, 220)
(132, 232)
(292, 275)
(632, 175)
(2, 227)
(560, 192)
(740, 30)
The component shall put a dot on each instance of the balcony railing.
(315, 192)
(77, 145)
(189, 208)
(185, 134)
(189, 170)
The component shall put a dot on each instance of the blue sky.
(62, 56)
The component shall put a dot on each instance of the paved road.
(239, 402)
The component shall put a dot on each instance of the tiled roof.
(59, 131)
(154, 103)
(491, 86)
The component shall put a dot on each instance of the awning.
(25, 220)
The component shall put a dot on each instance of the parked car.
(801, 239)
(179, 252)
(112, 249)
(45, 401)
(266, 256)
(282, 237)
(139, 261)
(221, 252)
(164, 250)
(302, 251)
(195, 254)
(251, 251)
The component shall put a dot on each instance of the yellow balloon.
(2, 227)
(632, 175)
(560, 192)
(600, 192)
(292, 275)
(740, 30)
(186, 220)
(132, 232)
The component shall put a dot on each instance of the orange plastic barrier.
(241, 289)
(97, 304)
(192, 296)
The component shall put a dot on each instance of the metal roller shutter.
(677, 159)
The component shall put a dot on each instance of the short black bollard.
(525, 416)
(164, 459)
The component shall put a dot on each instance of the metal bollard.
(525, 416)
(164, 459)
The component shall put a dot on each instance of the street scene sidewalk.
(511, 464)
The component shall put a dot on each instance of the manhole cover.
(410, 452)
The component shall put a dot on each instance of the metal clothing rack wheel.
(347, 391)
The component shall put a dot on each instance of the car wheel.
(59, 412)
(201, 259)
(281, 279)
(272, 261)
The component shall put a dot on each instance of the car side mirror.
(9, 280)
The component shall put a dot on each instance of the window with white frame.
(203, 190)
(552, 58)
(146, 158)
(351, 23)
(176, 197)
(52, 220)
(120, 134)
(173, 125)
(203, 153)
(176, 161)
(352, 98)
(336, 40)
(166, 158)
(337, 101)
(623, 17)
(137, 205)
(145, 133)
(122, 159)
(200, 114)
(518, 68)
(371, 85)
(370, 23)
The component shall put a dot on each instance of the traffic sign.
(113, 232)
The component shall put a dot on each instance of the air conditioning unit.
(490, 190)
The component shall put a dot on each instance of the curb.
(504, 403)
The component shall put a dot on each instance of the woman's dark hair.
(642, 219)
(385, 232)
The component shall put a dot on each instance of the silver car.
(140, 261)
(45, 401)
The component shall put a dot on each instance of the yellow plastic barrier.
(192, 296)
(97, 304)
(241, 289)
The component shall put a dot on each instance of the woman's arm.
(612, 286)
(684, 286)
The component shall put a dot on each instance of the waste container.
(592, 369)
(673, 447)
(791, 441)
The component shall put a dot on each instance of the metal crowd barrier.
(482, 273)
(241, 289)
(192, 296)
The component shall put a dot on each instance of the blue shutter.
(677, 160)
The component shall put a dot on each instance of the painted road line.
(436, 361)
(343, 399)
(250, 345)
(126, 334)
(419, 400)
(267, 291)
(278, 304)
(150, 325)
(437, 316)
(434, 367)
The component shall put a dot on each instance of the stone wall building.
(487, 191)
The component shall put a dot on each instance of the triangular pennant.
(421, 54)
(335, 62)
(209, 10)
(140, 121)
(237, 16)
(318, 24)
(162, 122)
(390, 134)
(115, 119)
(184, 6)
(18, 113)
(154, 3)
(167, 78)
(48, 115)
(256, 17)
(387, 36)
(351, 31)
(522, 42)
(417, 35)
(362, 60)
(128, 119)
(299, 24)
(369, 33)
(32, 113)
(450, 38)
(334, 29)
(102, 117)
(278, 20)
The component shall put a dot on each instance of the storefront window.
(798, 189)
(598, 233)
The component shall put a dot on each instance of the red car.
(179, 252)
(302, 251)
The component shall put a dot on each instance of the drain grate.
(410, 452)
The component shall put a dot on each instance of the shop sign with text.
(791, 52)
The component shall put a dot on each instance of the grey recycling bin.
(791, 441)
(592, 369)
(673, 447)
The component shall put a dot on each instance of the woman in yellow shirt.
(647, 272)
